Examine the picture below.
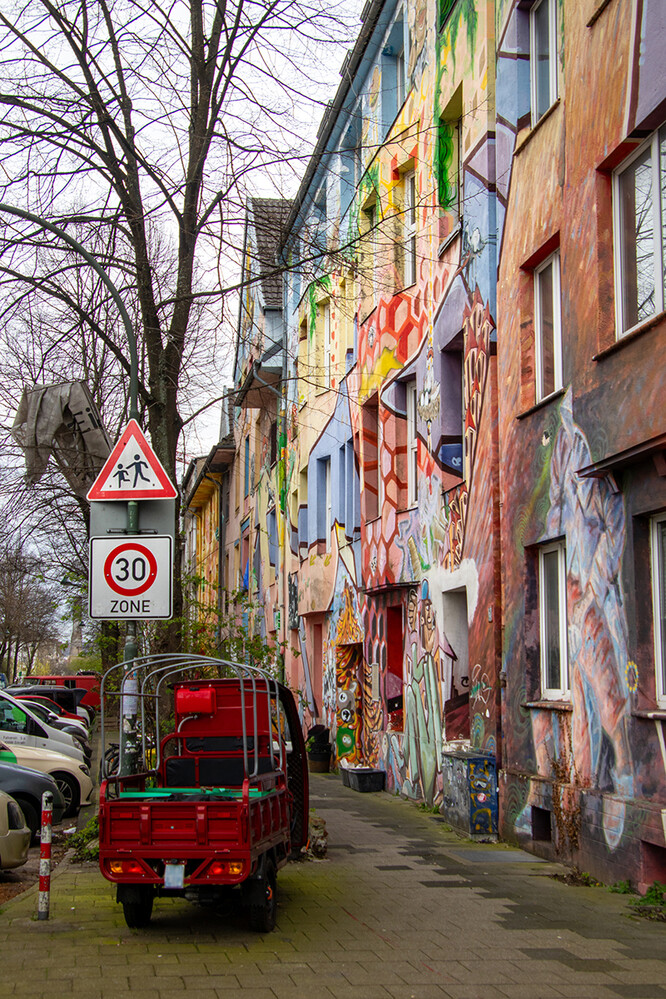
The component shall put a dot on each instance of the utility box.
(470, 792)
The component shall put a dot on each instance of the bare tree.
(137, 127)
(28, 607)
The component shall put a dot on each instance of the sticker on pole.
(132, 471)
(130, 578)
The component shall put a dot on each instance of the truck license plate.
(174, 875)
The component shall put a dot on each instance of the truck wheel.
(262, 914)
(139, 909)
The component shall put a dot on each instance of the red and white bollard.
(45, 857)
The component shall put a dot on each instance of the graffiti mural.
(585, 774)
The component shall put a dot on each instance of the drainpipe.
(282, 464)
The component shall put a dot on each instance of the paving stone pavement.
(400, 909)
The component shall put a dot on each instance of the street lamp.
(129, 745)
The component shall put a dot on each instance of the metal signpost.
(131, 567)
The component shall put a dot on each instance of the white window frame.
(329, 504)
(657, 221)
(400, 78)
(563, 690)
(412, 444)
(410, 268)
(657, 531)
(326, 308)
(381, 494)
(552, 57)
(541, 392)
(372, 245)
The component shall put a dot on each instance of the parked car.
(19, 725)
(27, 787)
(88, 681)
(73, 779)
(76, 730)
(15, 835)
(52, 705)
(68, 697)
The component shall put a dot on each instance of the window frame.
(563, 691)
(246, 470)
(400, 80)
(412, 442)
(410, 270)
(553, 53)
(328, 491)
(553, 260)
(326, 318)
(658, 567)
(652, 142)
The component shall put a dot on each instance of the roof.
(270, 217)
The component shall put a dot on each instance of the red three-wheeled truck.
(221, 802)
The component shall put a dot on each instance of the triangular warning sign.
(132, 471)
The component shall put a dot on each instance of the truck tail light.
(219, 868)
(126, 867)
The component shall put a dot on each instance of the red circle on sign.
(116, 585)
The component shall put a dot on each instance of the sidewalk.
(401, 909)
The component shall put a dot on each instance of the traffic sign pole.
(129, 730)
(131, 473)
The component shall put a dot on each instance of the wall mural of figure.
(422, 738)
(591, 512)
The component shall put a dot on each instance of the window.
(553, 621)
(400, 77)
(246, 491)
(324, 502)
(543, 56)
(370, 485)
(394, 667)
(547, 327)
(327, 344)
(329, 505)
(273, 442)
(448, 166)
(412, 444)
(271, 530)
(381, 495)
(639, 192)
(452, 396)
(409, 273)
(659, 603)
(13, 719)
(303, 535)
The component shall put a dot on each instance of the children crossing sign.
(132, 471)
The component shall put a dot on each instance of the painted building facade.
(448, 497)
(256, 561)
(582, 332)
(390, 311)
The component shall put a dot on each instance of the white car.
(20, 726)
(14, 833)
(73, 778)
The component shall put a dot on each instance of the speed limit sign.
(130, 578)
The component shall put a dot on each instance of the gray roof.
(270, 216)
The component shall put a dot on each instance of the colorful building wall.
(399, 588)
(584, 775)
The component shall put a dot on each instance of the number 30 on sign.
(130, 578)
